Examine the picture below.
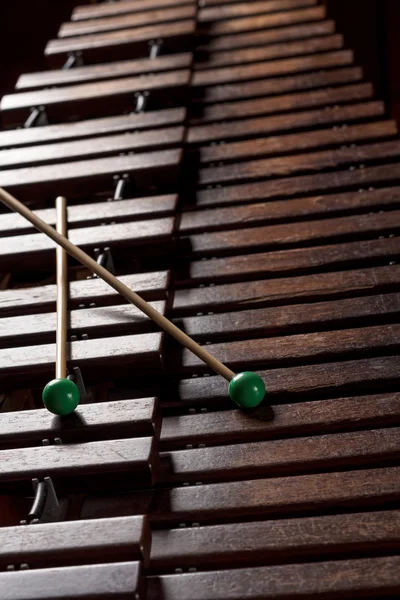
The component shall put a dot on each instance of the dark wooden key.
(213, 219)
(88, 11)
(100, 359)
(271, 542)
(76, 543)
(282, 103)
(278, 496)
(291, 165)
(229, 11)
(290, 262)
(276, 35)
(97, 99)
(287, 420)
(90, 128)
(305, 382)
(120, 580)
(151, 17)
(276, 85)
(110, 145)
(294, 319)
(81, 466)
(342, 579)
(285, 144)
(358, 178)
(313, 62)
(283, 236)
(92, 422)
(77, 179)
(120, 44)
(94, 322)
(257, 127)
(294, 349)
(249, 55)
(126, 68)
(101, 213)
(146, 237)
(289, 290)
(261, 21)
(379, 447)
(152, 286)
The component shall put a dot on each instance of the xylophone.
(227, 162)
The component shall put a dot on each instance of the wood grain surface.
(88, 11)
(91, 422)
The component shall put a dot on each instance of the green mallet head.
(247, 389)
(61, 396)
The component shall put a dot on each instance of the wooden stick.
(115, 283)
(62, 291)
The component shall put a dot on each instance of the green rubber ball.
(247, 389)
(61, 396)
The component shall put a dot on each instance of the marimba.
(229, 163)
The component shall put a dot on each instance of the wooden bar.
(72, 466)
(305, 382)
(92, 422)
(32, 364)
(75, 543)
(125, 43)
(248, 128)
(286, 102)
(285, 144)
(356, 179)
(267, 21)
(270, 237)
(301, 318)
(286, 421)
(232, 10)
(341, 579)
(129, 20)
(277, 496)
(97, 99)
(86, 74)
(88, 11)
(277, 85)
(90, 176)
(275, 542)
(294, 349)
(289, 290)
(154, 233)
(79, 215)
(268, 36)
(298, 209)
(313, 62)
(297, 261)
(140, 19)
(379, 447)
(152, 286)
(109, 145)
(95, 322)
(90, 128)
(258, 54)
(120, 580)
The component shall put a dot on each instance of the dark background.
(371, 29)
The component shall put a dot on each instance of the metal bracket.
(37, 117)
(122, 182)
(105, 259)
(155, 47)
(75, 59)
(45, 507)
(141, 101)
(77, 378)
